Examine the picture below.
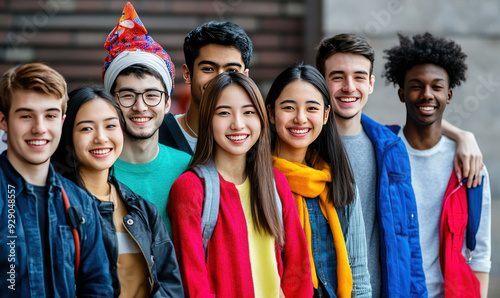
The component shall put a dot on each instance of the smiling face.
(236, 124)
(97, 135)
(142, 121)
(299, 116)
(349, 80)
(426, 93)
(212, 60)
(34, 128)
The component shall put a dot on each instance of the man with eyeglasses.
(140, 75)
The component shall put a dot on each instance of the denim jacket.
(400, 254)
(145, 225)
(21, 258)
(353, 230)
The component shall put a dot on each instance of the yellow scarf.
(310, 183)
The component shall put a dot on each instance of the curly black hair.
(424, 49)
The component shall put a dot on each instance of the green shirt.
(153, 180)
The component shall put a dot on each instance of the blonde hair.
(35, 77)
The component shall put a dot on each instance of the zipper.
(445, 202)
(144, 255)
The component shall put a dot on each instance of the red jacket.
(227, 272)
(459, 279)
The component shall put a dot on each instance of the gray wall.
(474, 24)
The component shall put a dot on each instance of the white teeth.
(427, 108)
(237, 138)
(348, 99)
(38, 142)
(299, 131)
(100, 151)
(141, 119)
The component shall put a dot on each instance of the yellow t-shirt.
(266, 280)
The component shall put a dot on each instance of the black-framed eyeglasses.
(128, 98)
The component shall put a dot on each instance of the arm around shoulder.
(468, 157)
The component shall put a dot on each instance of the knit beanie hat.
(129, 44)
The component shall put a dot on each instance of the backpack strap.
(211, 201)
(76, 220)
(279, 206)
(474, 204)
(170, 134)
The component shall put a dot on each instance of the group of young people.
(297, 194)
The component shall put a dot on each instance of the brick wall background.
(69, 35)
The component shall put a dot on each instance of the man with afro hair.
(381, 168)
(426, 69)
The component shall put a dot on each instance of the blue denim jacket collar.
(20, 183)
(27, 244)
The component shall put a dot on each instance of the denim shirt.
(324, 253)
(21, 258)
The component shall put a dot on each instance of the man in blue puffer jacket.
(381, 168)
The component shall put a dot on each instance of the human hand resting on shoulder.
(468, 160)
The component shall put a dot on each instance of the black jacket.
(145, 225)
(170, 134)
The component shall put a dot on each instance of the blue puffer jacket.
(21, 246)
(400, 254)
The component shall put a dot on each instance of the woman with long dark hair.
(141, 254)
(255, 250)
(308, 150)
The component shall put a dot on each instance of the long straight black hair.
(258, 167)
(328, 144)
(64, 159)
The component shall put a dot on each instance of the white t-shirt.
(3, 145)
(430, 171)
(191, 140)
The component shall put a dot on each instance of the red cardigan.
(459, 279)
(227, 272)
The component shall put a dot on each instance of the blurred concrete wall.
(473, 24)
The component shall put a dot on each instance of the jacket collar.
(379, 134)
(129, 197)
(14, 178)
